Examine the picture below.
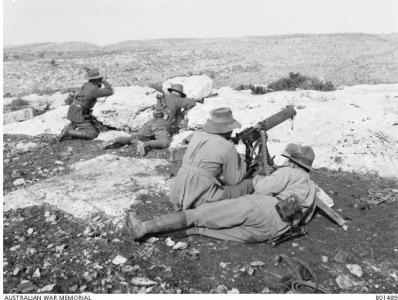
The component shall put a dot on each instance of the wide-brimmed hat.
(302, 155)
(221, 121)
(93, 74)
(177, 88)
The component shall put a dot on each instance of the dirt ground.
(53, 250)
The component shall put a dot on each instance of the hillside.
(53, 47)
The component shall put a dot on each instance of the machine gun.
(255, 140)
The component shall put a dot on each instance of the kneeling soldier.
(83, 124)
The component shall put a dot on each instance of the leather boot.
(65, 132)
(163, 223)
(80, 134)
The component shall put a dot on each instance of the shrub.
(298, 81)
(291, 83)
(17, 104)
(156, 86)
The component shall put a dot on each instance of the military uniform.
(209, 164)
(253, 218)
(172, 105)
(80, 111)
(155, 133)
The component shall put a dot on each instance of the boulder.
(128, 108)
(18, 116)
(106, 184)
(350, 129)
(197, 86)
(50, 122)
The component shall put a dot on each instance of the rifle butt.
(331, 213)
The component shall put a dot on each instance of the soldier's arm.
(187, 103)
(272, 184)
(106, 91)
(233, 167)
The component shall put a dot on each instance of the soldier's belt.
(201, 172)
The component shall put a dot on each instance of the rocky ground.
(49, 250)
(57, 238)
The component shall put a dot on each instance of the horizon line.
(193, 38)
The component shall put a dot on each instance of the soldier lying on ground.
(83, 124)
(250, 218)
(210, 155)
(154, 134)
(175, 106)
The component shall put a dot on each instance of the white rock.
(19, 181)
(105, 184)
(36, 274)
(180, 246)
(58, 162)
(233, 291)
(152, 240)
(142, 281)
(257, 263)
(60, 248)
(344, 282)
(119, 260)
(47, 288)
(197, 86)
(18, 116)
(355, 269)
(24, 147)
(169, 242)
(30, 231)
(325, 259)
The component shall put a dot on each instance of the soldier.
(154, 134)
(250, 218)
(211, 168)
(176, 105)
(83, 124)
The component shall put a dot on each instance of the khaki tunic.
(253, 218)
(172, 106)
(207, 158)
(155, 133)
(81, 108)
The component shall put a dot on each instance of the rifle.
(256, 138)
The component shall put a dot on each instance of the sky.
(104, 22)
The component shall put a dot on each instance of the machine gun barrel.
(253, 133)
(274, 120)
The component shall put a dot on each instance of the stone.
(30, 231)
(18, 116)
(233, 291)
(36, 274)
(257, 263)
(17, 270)
(119, 260)
(25, 147)
(15, 248)
(152, 240)
(341, 256)
(266, 290)
(220, 289)
(19, 181)
(355, 269)
(25, 286)
(169, 242)
(58, 162)
(344, 282)
(142, 281)
(31, 251)
(47, 288)
(180, 246)
(60, 248)
(106, 184)
(325, 259)
(197, 86)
